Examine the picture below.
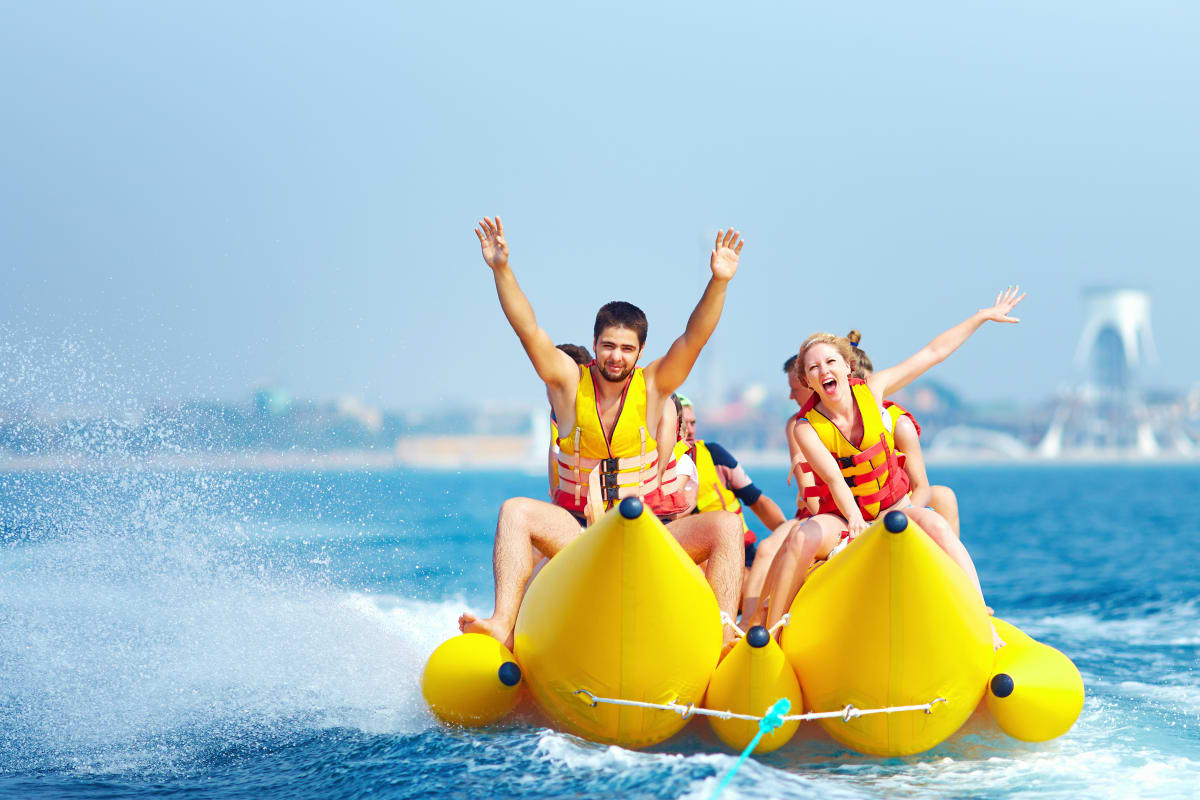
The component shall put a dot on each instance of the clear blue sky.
(229, 193)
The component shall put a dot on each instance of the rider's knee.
(515, 509)
(731, 526)
(794, 544)
(768, 547)
(937, 528)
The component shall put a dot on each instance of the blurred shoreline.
(477, 453)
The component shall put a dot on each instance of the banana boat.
(887, 646)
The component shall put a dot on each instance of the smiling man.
(608, 413)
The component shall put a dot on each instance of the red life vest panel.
(871, 468)
(897, 411)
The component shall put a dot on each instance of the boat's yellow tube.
(471, 679)
(891, 621)
(749, 680)
(621, 612)
(1035, 693)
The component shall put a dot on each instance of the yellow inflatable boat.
(887, 646)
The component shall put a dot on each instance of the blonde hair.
(864, 367)
(839, 343)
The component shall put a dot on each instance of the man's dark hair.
(619, 314)
(790, 363)
(577, 352)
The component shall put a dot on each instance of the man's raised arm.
(669, 372)
(553, 366)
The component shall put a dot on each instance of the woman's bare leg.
(939, 530)
(945, 503)
(943, 535)
(763, 558)
(812, 539)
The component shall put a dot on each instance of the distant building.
(1106, 414)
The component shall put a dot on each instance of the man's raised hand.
(724, 258)
(491, 241)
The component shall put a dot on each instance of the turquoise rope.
(772, 720)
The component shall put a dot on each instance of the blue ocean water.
(262, 635)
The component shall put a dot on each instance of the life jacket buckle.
(846, 462)
(611, 493)
(608, 480)
(609, 465)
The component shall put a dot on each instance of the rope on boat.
(728, 620)
(686, 711)
(741, 634)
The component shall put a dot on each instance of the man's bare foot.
(991, 611)
(469, 623)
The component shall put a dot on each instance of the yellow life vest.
(870, 468)
(712, 494)
(553, 438)
(618, 465)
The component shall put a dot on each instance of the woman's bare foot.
(469, 623)
(997, 642)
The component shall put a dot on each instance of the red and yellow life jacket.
(871, 468)
(618, 465)
(712, 494)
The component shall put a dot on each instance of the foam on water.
(143, 645)
(1154, 625)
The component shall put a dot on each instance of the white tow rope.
(848, 713)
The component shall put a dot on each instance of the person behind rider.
(607, 413)
(766, 549)
(857, 483)
(723, 483)
(941, 499)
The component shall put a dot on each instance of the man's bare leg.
(523, 525)
(715, 537)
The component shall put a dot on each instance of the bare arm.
(803, 479)
(824, 465)
(909, 443)
(670, 371)
(768, 511)
(554, 367)
(666, 436)
(893, 379)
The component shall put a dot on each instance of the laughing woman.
(846, 437)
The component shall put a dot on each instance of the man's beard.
(620, 378)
